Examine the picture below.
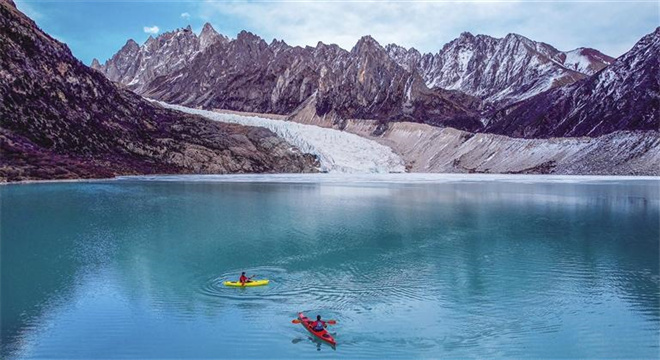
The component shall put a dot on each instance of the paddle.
(329, 322)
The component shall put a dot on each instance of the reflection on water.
(457, 268)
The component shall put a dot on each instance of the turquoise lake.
(409, 266)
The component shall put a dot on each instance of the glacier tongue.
(337, 151)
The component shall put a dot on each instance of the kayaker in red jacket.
(319, 324)
(244, 279)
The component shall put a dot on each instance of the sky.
(99, 28)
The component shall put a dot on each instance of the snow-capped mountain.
(625, 95)
(500, 71)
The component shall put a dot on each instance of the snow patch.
(578, 62)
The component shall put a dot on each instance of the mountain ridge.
(368, 81)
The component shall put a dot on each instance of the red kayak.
(323, 334)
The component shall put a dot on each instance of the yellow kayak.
(247, 284)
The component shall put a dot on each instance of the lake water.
(409, 266)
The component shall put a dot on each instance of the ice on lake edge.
(405, 178)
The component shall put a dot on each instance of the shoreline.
(55, 181)
(428, 178)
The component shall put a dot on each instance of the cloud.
(428, 25)
(151, 29)
(185, 15)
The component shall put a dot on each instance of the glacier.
(337, 151)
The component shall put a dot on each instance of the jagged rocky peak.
(517, 39)
(247, 36)
(96, 65)
(131, 45)
(323, 47)
(407, 58)
(518, 44)
(366, 44)
(467, 39)
(208, 36)
(150, 40)
(466, 36)
(395, 49)
(279, 45)
(253, 42)
(327, 54)
(208, 28)
(177, 39)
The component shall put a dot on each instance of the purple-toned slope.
(623, 96)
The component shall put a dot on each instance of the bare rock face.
(61, 120)
(500, 71)
(625, 95)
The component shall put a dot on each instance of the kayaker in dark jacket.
(319, 324)
(244, 279)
